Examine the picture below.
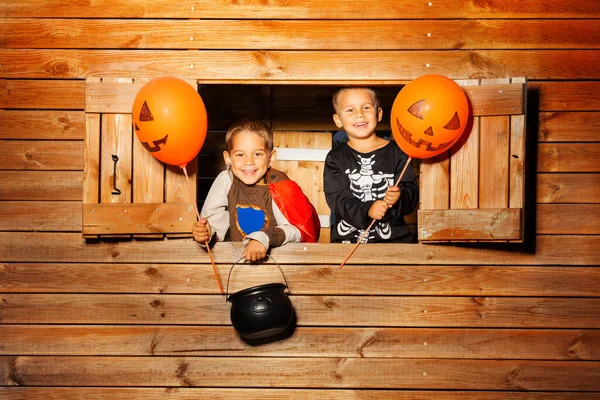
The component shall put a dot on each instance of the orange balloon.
(169, 119)
(429, 115)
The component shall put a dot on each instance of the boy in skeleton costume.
(359, 175)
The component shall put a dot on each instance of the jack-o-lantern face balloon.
(429, 115)
(169, 119)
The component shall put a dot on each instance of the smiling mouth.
(421, 143)
(157, 143)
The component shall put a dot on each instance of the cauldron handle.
(244, 258)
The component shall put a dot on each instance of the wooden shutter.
(476, 191)
(126, 191)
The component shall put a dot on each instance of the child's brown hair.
(258, 127)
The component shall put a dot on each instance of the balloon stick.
(212, 260)
(366, 232)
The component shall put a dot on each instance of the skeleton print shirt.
(352, 183)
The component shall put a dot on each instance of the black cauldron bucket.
(262, 313)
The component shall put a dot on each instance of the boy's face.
(356, 113)
(249, 158)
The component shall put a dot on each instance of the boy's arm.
(340, 198)
(215, 206)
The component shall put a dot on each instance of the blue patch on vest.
(250, 219)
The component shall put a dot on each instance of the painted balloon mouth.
(157, 143)
(421, 143)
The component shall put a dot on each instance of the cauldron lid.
(269, 287)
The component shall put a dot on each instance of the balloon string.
(366, 232)
(212, 260)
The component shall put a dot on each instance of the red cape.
(296, 207)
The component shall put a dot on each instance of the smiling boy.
(253, 202)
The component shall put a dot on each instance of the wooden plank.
(116, 140)
(75, 393)
(64, 216)
(474, 224)
(566, 126)
(47, 125)
(365, 279)
(298, 34)
(41, 94)
(566, 96)
(102, 219)
(517, 162)
(71, 247)
(568, 157)
(501, 99)
(299, 9)
(41, 155)
(148, 175)
(41, 185)
(296, 67)
(91, 165)
(568, 188)
(434, 183)
(522, 344)
(494, 156)
(577, 219)
(303, 372)
(464, 163)
(384, 311)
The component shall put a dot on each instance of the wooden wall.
(143, 319)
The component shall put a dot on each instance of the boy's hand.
(378, 209)
(254, 251)
(392, 195)
(201, 230)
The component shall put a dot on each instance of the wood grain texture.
(327, 279)
(299, 34)
(71, 247)
(182, 393)
(301, 9)
(302, 66)
(569, 188)
(322, 342)
(300, 372)
(33, 155)
(46, 125)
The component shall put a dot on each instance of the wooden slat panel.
(47, 94)
(568, 157)
(493, 169)
(434, 183)
(300, 372)
(473, 224)
(66, 247)
(40, 185)
(40, 216)
(25, 124)
(577, 219)
(116, 139)
(296, 9)
(24, 393)
(233, 66)
(148, 175)
(91, 167)
(99, 219)
(521, 344)
(464, 163)
(298, 34)
(389, 311)
(568, 188)
(365, 279)
(565, 126)
(566, 96)
(41, 155)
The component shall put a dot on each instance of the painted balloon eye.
(454, 123)
(417, 109)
